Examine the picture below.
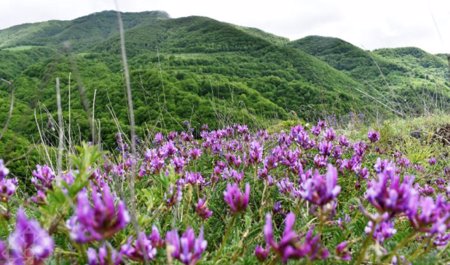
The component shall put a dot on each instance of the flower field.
(302, 195)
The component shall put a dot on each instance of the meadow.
(231, 146)
(289, 193)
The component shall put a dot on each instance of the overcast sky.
(369, 24)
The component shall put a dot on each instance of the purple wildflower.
(342, 251)
(325, 148)
(142, 249)
(255, 153)
(237, 200)
(104, 256)
(29, 243)
(381, 165)
(432, 161)
(277, 207)
(388, 193)
(320, 189)
(43, 177)
(404, 162)
(383, 230)
(262, 253)
(174, 196)
(186, 249)
(159, 138)
(441, 240)
(320, 161)
(202, 209)
(100, 220)
(168, 149)
(7, 188)
(330, 134)
(121, 145)
(290, 246)
(427, 215)
(4, 171)
(425, 190)
(242, 129)
(178, 164)
(359, 148)
(194, 178)
(285, 186)
(373, 136)
(343, 141)
(195, 153)
(316, 130)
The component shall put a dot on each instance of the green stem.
(262, 201)
(228, 229)
(419, 250)
(400, 245)
(321, 221)
(274, 261)
(366, 244)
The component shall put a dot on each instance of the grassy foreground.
(288, 194)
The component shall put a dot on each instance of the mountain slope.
(408, 79)
(185, 37)
(79, 33)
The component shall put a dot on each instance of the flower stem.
(419, 250)
(225, 236)
(366, 244)
(400, 245)
(262, 200)
(274, 260)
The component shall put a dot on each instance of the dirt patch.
(442, 135)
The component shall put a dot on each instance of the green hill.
(408, 79)
(78, 33)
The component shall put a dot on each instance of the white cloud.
(369, 24)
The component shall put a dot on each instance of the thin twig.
(132, 125)
(11, 107)
(61, 133)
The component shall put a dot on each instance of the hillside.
(78, 33)
(221, 73)
(409, 79)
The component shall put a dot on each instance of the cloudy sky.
(369, 24)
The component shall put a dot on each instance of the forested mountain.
(407, 79)
(201, 70)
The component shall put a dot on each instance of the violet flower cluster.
(27, 244)
(104, 256)
(144, 247)
(320, 189)
(188, 249)
(202, 209)
(7, 186)
(99, 220)
(290, 245)
(42, 179)
(235, 198)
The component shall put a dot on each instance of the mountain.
(407, 79)
(200, 70)
(79, 33)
